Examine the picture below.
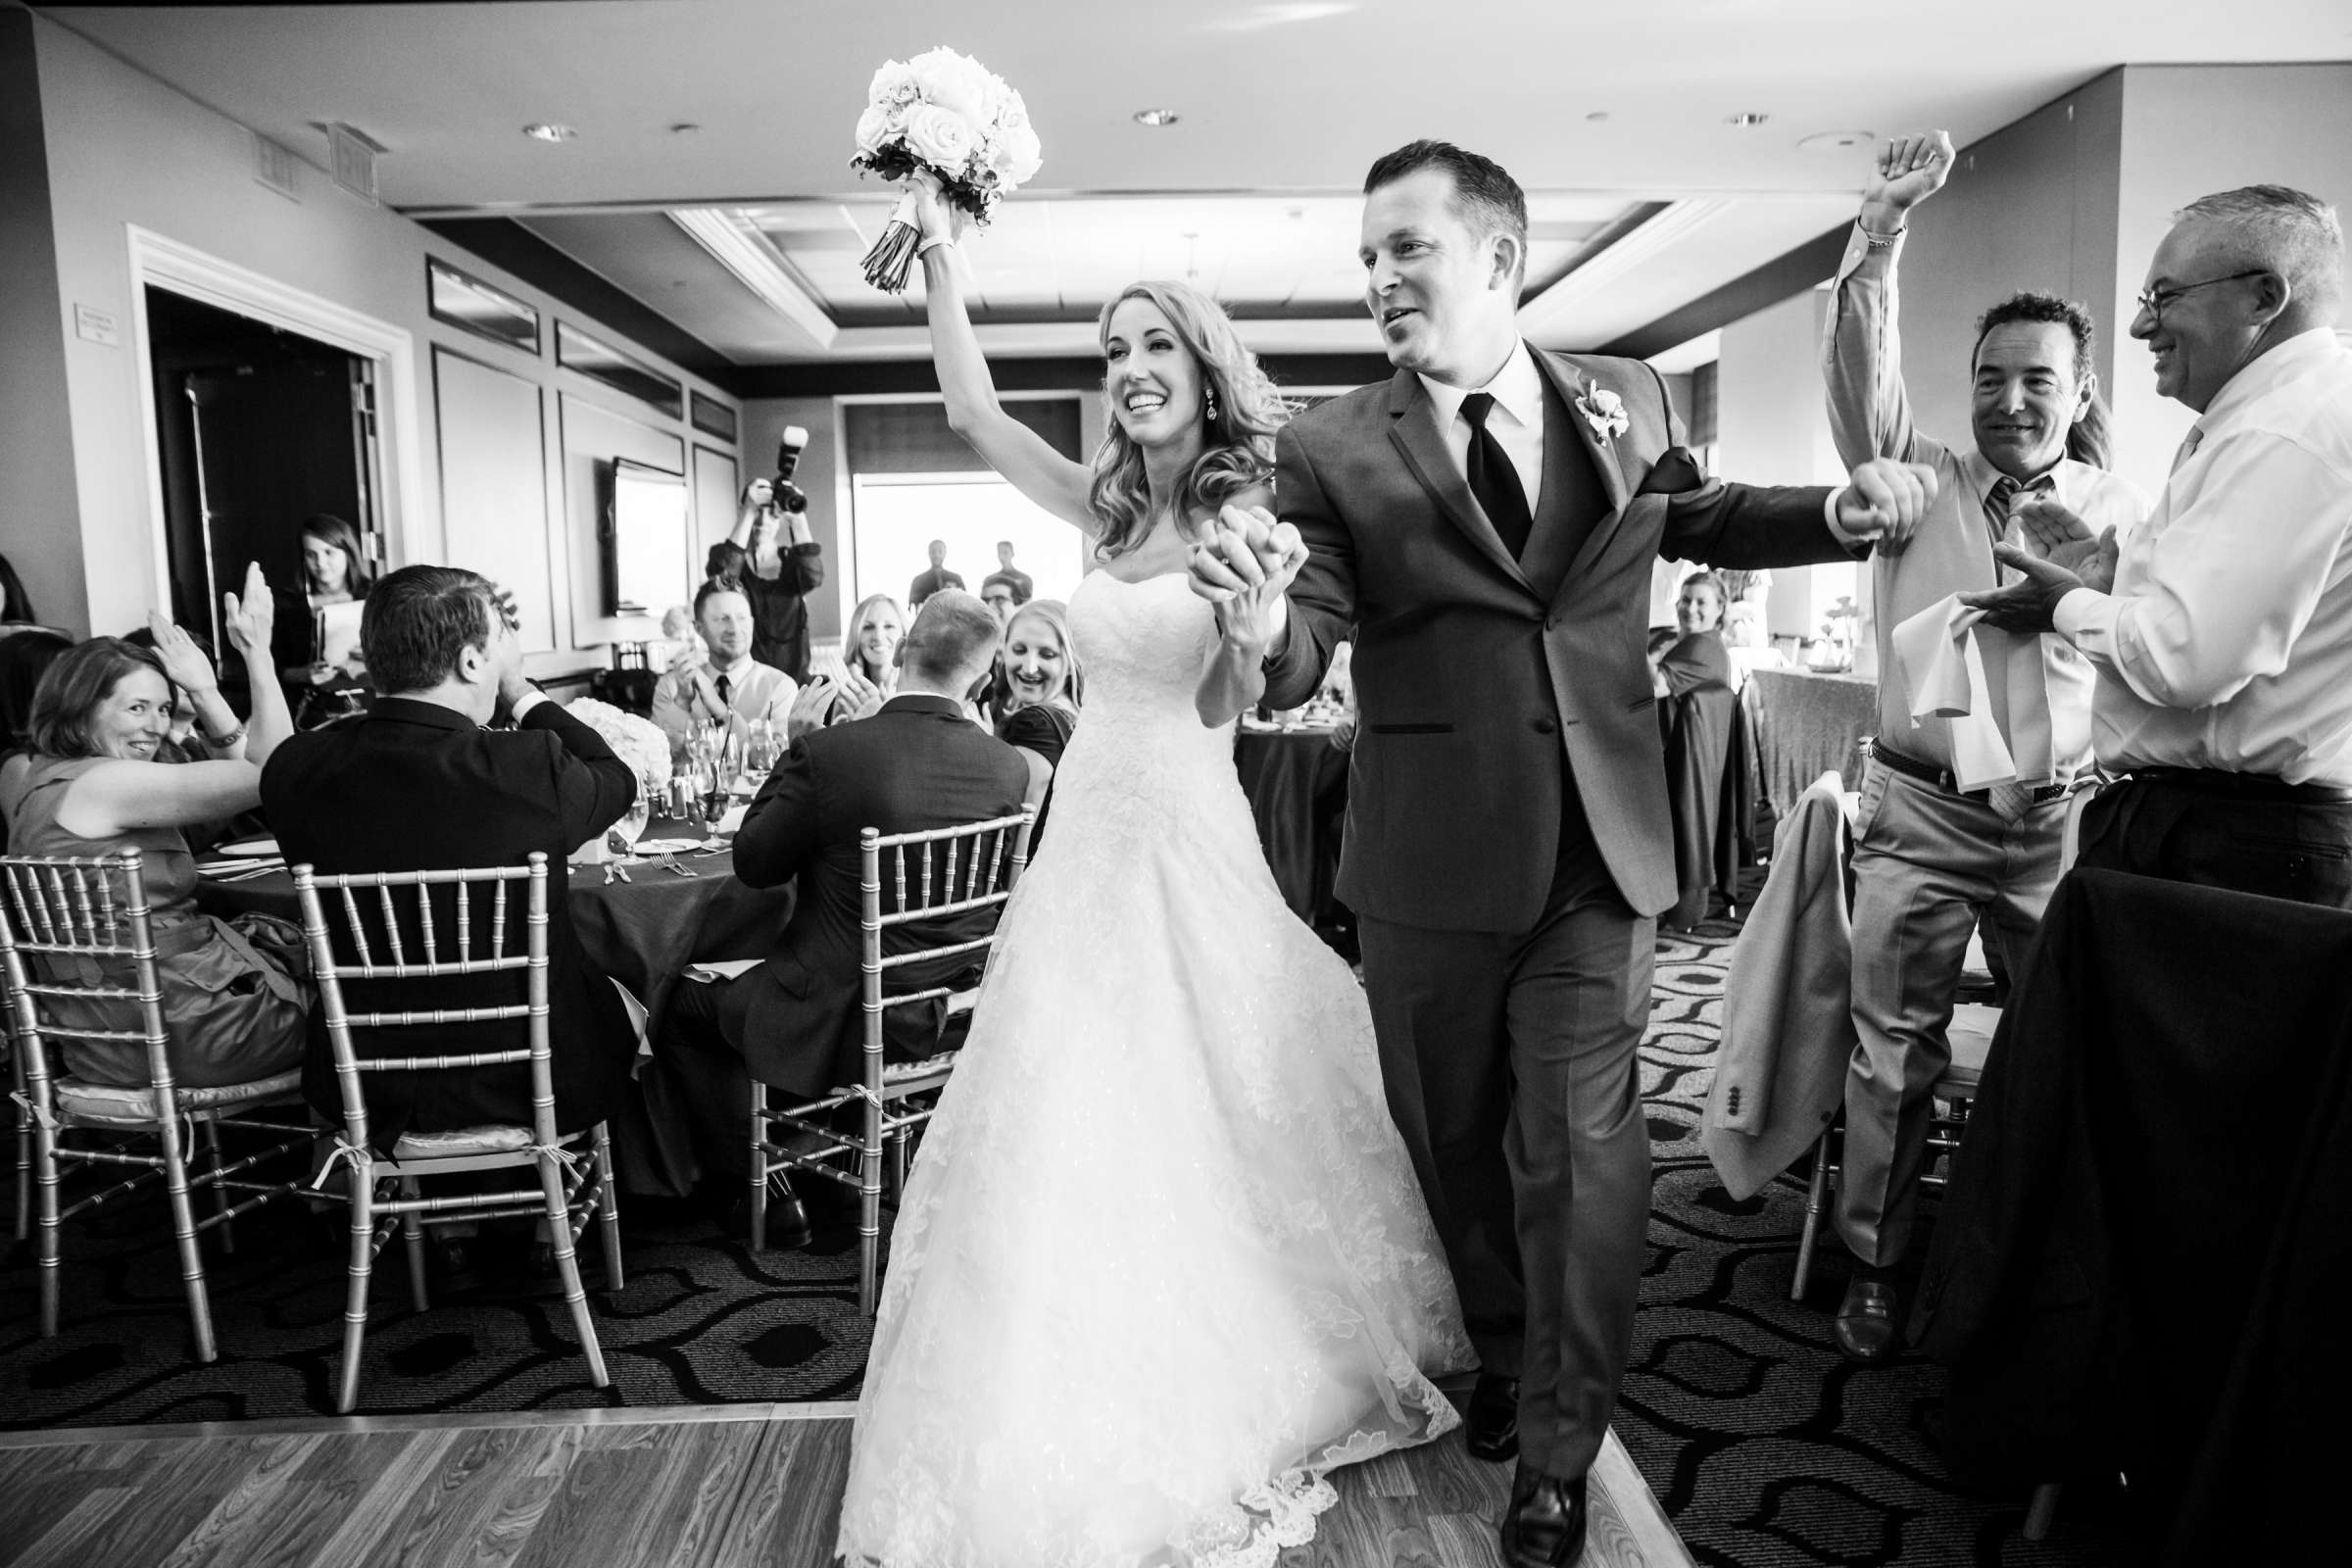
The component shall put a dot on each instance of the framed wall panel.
(494, 512)
(461, 300)
(586, 355)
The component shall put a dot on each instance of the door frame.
(401, 504)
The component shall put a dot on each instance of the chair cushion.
(898, 1072)
(1971, 1036)
(136, 1107)
(456, 1142)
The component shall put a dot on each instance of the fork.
(669, 862)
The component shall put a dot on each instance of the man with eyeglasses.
(1930, 859)
(2222, 629)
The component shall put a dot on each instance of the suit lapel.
(1570, 382)
(1413, 429)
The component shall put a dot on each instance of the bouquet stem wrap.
(892, 259)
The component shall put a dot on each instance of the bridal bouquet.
(945, 115)
(635, 741)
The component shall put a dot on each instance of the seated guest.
(187, 743)
(774, 558)
(335, 572)
(1697, 657)
(417, 783)
(1002, 598)
(16, 610)
(1042, 683)
(731, 687)
(795, 1021)
(24, 656)
(95, 787)
(2222, 627)
(869, 673)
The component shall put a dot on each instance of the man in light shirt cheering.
(2222, 629)
(733, 688)
(1929, 858)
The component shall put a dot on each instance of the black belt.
(2243, 786)
(1942, 779)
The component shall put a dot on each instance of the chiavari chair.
(77, 941)
(931, 876)
(470, 931)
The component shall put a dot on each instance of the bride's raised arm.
(1020, 454)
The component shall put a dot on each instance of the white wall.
(1773, 428)
(124, 149)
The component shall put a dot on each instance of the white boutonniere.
(1604, 411)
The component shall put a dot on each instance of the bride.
(1161, 1263)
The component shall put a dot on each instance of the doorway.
(257, 429)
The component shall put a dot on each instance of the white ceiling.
(1596, 108)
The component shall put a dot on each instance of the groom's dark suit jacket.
(1489, 687)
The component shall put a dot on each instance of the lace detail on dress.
(1161, 1263)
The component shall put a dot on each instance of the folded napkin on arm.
(1993, 686)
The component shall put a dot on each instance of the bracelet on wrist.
(225, 742)
(1876, 240)
(933, 243)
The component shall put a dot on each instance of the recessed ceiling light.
(1156, 118)
(1746, 117)
(1837, 141)
(1597, 116)
(544, 131)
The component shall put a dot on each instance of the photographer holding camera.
(775, 559)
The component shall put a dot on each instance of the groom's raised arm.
(1323, 598)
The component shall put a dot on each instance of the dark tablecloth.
(643, 933)
(1807, 724)
(1297, 782)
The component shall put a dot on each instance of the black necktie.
(721, 684)
(1492, 479)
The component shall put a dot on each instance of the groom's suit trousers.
(1510, 1068)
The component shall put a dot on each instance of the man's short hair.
(952, 633)
(710, 589)
(2041, 308)
(1010, 583)
(1484, 195)
(418, 619)
(2277, 228)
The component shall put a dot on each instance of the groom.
(1486, 523)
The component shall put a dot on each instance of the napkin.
(720, 969)
(1993, 686)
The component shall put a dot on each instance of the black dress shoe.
(1545, 1527)
(1494, 1418)
(788, 1227)
(1866, 1329)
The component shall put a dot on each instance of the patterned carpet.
(1767, 1450)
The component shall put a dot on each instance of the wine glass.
(624, 834)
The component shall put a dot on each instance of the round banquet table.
(1297, 783)
(643, 931)
(1806, 724)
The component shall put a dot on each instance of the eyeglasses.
(2156, 301)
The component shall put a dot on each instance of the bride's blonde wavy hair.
(1237, 449)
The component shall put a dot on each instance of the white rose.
(894, 84)
(878, 124)
(953, 82)
(1016, 155)
(941, 137)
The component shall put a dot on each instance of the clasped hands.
(2064, 555)
(1245, 568)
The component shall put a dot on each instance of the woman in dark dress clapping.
(1043, 685)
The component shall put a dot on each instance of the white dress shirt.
(1516, 419)
(2227, 642)
(754, 691)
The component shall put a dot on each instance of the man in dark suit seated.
(794, 1022)
(417, 783)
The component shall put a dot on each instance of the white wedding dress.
(1162, 1261)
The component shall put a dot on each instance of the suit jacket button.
(1545, 725)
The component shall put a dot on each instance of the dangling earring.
(1209, 404)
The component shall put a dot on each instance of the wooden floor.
(715, 1487)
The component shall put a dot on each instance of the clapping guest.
(96, 787)
(869, 674)
(1043, 684)
(731, 687)
(419, 783)
(1697, 657)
